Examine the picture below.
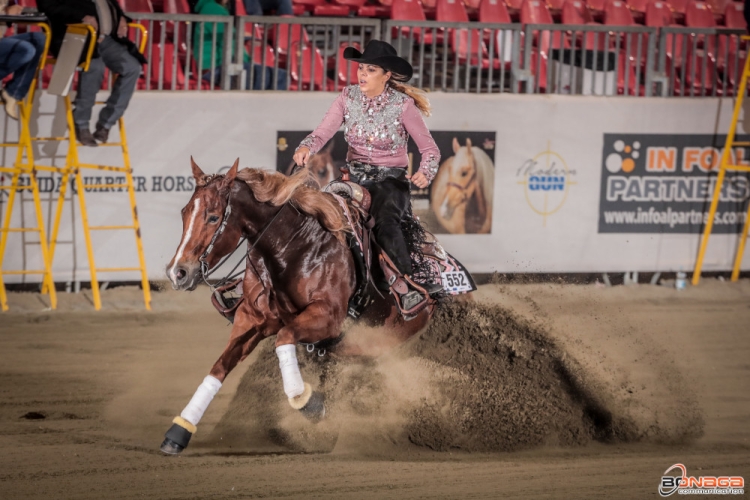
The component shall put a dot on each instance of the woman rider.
(378, 115)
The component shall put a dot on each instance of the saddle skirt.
(437, 265)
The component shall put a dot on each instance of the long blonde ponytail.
(419, 95)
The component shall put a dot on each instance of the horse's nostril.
(181, 274)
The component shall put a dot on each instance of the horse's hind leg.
(317, 322)
(247, 331)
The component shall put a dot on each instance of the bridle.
(465, 188)
(206, 272)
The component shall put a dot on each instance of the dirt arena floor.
(532, 391)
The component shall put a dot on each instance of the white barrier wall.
(560, 163)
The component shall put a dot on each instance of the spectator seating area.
(691, 61)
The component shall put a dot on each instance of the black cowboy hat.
(384, 55)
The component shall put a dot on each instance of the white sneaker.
(11, 105)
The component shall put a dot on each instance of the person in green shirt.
(262, 77)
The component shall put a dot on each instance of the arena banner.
(459, 200)
(549, 157)
(663, 183)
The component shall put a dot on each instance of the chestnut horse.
(299, 276)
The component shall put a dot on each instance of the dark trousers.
(390, 203)
(116, 57)
(19, 54)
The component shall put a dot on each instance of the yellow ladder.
(74, 167)
(725, 166)
(20, 168)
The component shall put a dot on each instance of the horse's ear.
(231, 175)
(197, 173)
(329, 146)
(468, 147)
(456, 146)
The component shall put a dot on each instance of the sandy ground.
(85, 398)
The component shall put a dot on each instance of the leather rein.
(206, 272)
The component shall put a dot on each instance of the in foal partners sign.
(653, 183)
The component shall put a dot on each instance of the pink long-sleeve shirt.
(377, 130)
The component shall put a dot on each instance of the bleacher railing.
(589, 59)
(459, 57)
(298, 53)
(700, 61)
(174, 64)
(305, 54)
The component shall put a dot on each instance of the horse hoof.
(315, 409)
(170, 447)
(177, 437)
(310, 403)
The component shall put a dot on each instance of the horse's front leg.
(249, 328)
(317, 322)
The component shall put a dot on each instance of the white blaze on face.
(185, 239)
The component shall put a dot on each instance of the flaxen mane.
(277, 189)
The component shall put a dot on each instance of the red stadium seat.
(658, 14)
(718, 7)
(493, 11)
(380, 9)
(699, 15)
(638, 9)
(331, 10)
(285, 35)
(555, 8)
(734, 17)
(678, 9)
(576, 12)
(27, 3)
(407, 10)
(308, 5)
(617, 13)
(312, 73)
(411, 10)
(535, 12)
(597, 9)
(136, 5)
(451, 11)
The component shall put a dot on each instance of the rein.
(206, 273)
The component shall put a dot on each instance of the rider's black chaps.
(390, 203)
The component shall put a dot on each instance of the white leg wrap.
(194, 410)
(293, 385)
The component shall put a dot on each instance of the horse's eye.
(213, 219)
(464, 173)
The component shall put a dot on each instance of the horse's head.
(321, 165)
(461, 180)
(202, 219)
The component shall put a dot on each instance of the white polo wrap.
(293, 385)
(195, 409)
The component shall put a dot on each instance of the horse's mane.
(277, 189)
(485, 172)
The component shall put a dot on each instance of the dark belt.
(363, 172)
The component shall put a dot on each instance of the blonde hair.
(277, 189)
(419, 95)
